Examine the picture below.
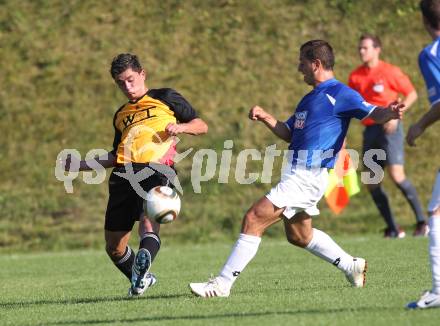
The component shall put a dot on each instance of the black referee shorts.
(125, 206)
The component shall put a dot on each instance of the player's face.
(367, 51)
(307, 68)
(131, 83)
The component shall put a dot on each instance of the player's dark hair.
(374, 38)
(431, 12)
(319, 50)
(123, 62)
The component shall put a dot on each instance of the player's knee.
(297, 240)
(114, 251)
(251, 217)
(398, 177)
(253, 223)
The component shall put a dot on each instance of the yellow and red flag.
(343, 183)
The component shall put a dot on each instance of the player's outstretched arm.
(393, 111)
(410, 99)
(277, 127)
(107, 161)
(418, 128)
(194, 127)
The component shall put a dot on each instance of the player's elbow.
(412, 96)
(202, 127)
(415, 96)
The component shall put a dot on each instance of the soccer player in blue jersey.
(429, 62)
(315, 132)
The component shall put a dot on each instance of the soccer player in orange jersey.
(381, 83)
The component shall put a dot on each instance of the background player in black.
(151, 116)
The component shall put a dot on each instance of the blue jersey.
(320, 123)
(429, 63)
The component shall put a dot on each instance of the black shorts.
(376, 138)
(125, 205)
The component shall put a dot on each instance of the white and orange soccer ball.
(162, 204)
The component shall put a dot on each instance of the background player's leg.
(382, 203)
(116, 246)
(397, 173)
(374, 139)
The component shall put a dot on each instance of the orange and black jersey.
(140, 135)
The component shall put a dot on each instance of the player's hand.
(257, 113)
(70, 163)
(414, 132)
(397, 109)
(174, 129)
(390, 126)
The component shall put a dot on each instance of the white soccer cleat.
(357, 276)
(140, 278)
(210, 289)
(427, 300)
(148, 281)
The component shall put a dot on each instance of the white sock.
(324, 247)
(434, 251)
(242, 253)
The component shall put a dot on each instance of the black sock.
(410, 194)
(381, 200)
(151, 242)
(126, 262)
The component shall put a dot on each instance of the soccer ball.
(162, 204)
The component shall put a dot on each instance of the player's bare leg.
(147, 225)
(116, 246)
(381, 201)
(258, 218)
(299, 232)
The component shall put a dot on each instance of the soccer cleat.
(399, 234)
(140, 276)
(427, 300)
(210, 289)
(148, 281)
(421, 230)
(357, 276)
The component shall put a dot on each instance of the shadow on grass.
(88, 300)
(222, 316)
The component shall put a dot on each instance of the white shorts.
(434, 203)
(299, 190)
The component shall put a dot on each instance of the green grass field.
(282, 286)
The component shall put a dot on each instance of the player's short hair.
(319, 49)
(431, 12)
(374, 38)
(124, 61)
